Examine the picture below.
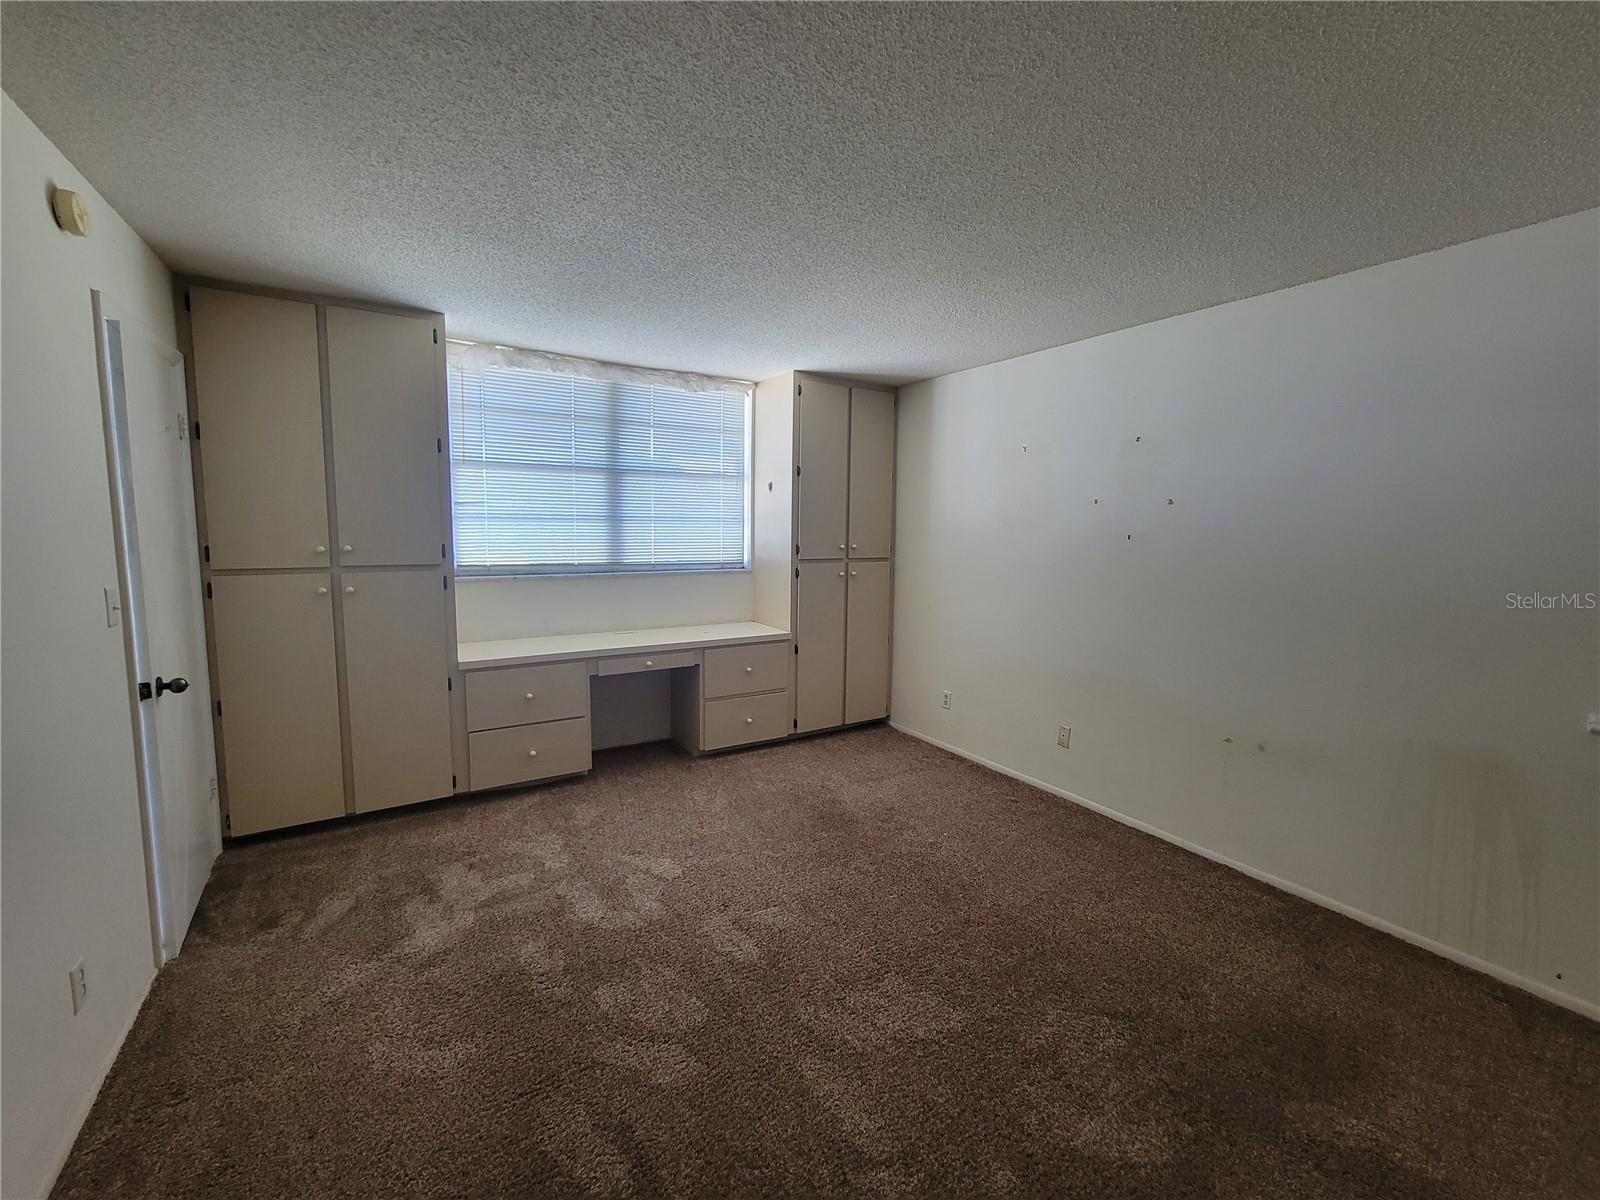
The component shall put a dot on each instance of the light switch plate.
(79, 982)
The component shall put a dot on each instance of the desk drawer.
(523, 695)
(734, 670)
(648, 662)
(499, 757)
(745, 719)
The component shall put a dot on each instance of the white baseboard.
(1543, 990)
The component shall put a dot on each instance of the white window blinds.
(555, 471)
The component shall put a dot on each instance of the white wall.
(489, 609)
(1305, 663)
(72, 877)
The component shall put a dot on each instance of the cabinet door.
(396, 674)
(282, 760)
(384, 378)
(868, 614)
(824, 460)
(871, 472)
(819, 632)
(258, 388)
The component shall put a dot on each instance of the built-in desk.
(527, 699)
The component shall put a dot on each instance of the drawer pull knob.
(852, 545)
(747, 670)
(649, 662)
(841, 574)
(841, 545)
(350, 590)
(347, 549)
(529, 696)
(322, 591)
(322, 549)
(533, 754)
(749, 720)
(852, 574)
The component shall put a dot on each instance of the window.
(609, 470)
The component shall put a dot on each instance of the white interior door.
(150, 454)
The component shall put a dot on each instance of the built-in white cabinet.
(323, 499)
(397, 672)
(258, 390)
(841, 598)
(277, 690)
(869, 610)
(384, 373)
(822, 485)
(819, 632)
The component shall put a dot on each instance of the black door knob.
(177, 686)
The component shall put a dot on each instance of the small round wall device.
(70, 211)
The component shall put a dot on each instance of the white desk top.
(518, 651)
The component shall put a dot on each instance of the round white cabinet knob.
(347, 549)
(841, 545)
(322, 591)
(749, 720)
(852, 545)
(350, 590)
(841, 574)
(649, 662)
(852, 574)
(747, 670)
(529, 696)
(533, 754)
(322, 549)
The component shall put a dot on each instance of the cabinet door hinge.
(435, 337)
(227, 824)
(443, 553)
(197, 431)
(797, 723)
(453, 782)
(449, 684)
(446, 582)
(206, 550)
(208, 589)
(797, 647)
(439, 444)
(797, 471)
(219, 708)
(186, 307)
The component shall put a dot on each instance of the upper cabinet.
(823, 454)
(871, 472)
(259, 406)
(385, 394)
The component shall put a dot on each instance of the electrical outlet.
(1064, 737)
(80, 987)
(947, 699)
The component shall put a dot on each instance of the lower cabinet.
(868, 616)
(819, 633)
(397, 676)
(279, 699)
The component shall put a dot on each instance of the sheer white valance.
(476, 357)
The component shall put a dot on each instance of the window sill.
(495, 576)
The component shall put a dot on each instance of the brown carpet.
(847, 965)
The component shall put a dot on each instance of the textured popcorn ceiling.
(880, 190)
